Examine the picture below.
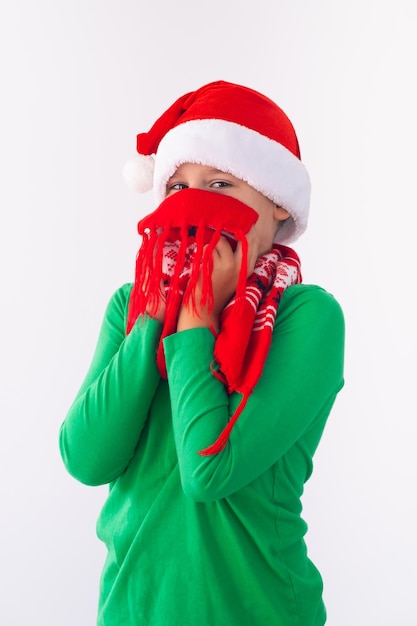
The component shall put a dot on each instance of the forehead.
(196, 169)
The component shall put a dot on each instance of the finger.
(253, 250)
(223, 249)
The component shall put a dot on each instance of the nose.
(196, 183)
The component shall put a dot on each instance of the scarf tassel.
(223, 438)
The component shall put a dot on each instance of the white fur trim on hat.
(266, 165)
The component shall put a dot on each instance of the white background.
(79, 79)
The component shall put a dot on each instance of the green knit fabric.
(215, 540)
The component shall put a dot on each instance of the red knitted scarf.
(178, 239)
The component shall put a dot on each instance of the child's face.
(204, 177)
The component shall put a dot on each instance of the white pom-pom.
(138, 173)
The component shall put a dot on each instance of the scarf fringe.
(223, 438)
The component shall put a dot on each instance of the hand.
(159, 312)
(225, 276)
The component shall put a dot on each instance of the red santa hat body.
(236, 130)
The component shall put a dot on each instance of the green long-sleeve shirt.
(211, 540)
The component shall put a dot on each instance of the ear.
(280, 214)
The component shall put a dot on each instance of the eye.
(175, 187)
(220, 184)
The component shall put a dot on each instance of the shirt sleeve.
(101, 430)
(300, 380)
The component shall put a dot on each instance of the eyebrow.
(214, 171)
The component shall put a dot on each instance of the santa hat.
(236, 130)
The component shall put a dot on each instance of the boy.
(212, 379)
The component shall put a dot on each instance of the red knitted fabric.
(171, 259)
